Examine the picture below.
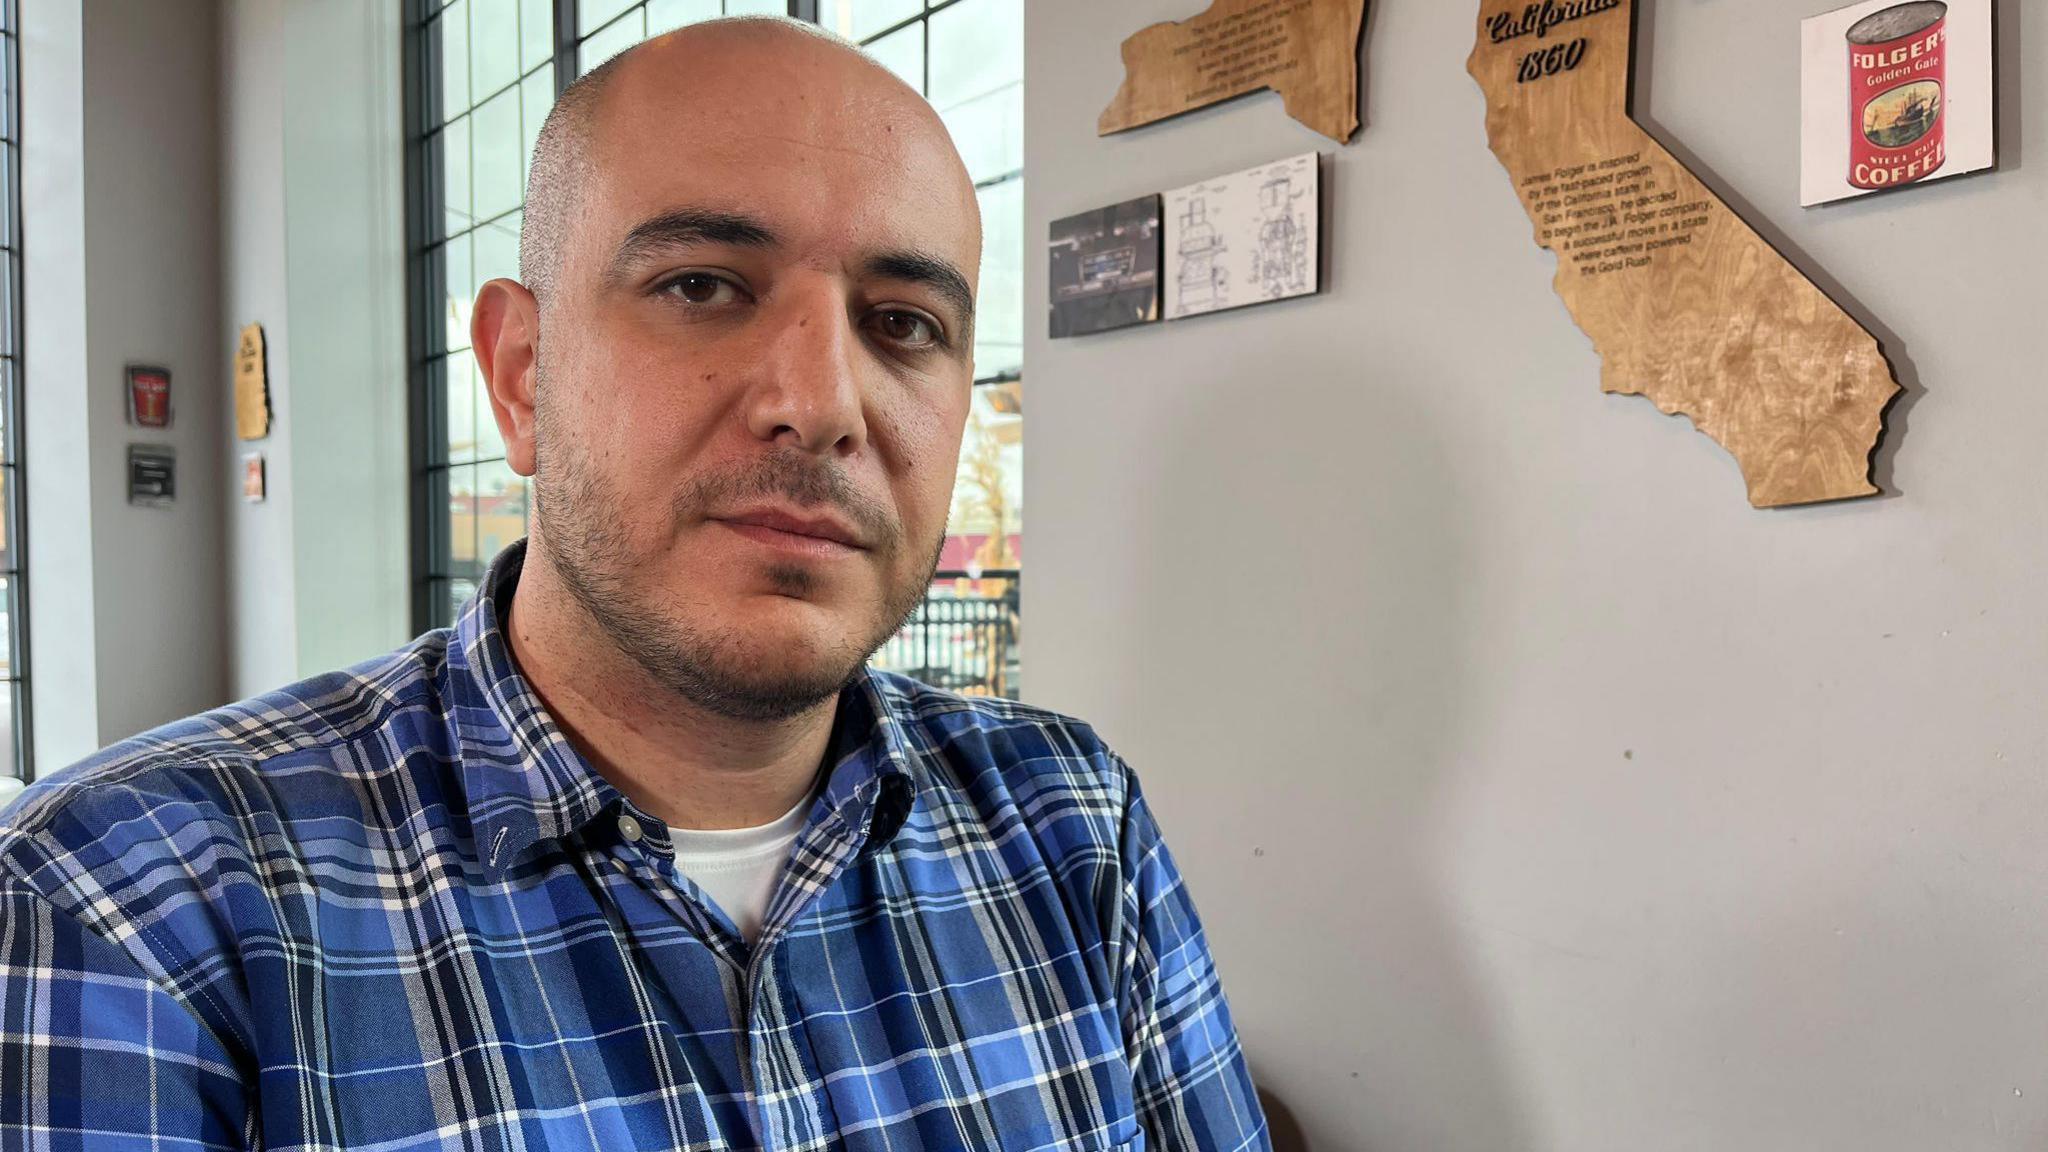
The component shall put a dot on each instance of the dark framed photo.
(1105, 268)
(149, 396)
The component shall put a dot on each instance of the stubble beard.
(585, 539)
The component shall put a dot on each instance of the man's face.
(755, 367)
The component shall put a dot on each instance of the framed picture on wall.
(1895, 94)
(1105, 268)
(1246, 238)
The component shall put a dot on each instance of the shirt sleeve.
(97, 1054)
(1192, 1088)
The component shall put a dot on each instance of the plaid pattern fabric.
(391, 908)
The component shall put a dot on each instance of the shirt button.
(629, 828)
(618, 863)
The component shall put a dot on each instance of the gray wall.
(167, 205)
(120, 196)
(152, 260)
(1537, 792)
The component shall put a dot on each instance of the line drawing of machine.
(1204, 283)
(1280, 262)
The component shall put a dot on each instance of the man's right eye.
(701, 288)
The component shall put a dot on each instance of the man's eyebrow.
(931, 271)
(685, 226)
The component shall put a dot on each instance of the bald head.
(563, 152)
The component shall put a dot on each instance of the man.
(640, 855)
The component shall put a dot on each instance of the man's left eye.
(906, 328)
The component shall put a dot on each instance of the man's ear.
(504, 330)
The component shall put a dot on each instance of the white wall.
(345, 291)
(315, 251)
(263, 625)
(1538, 793)
(57, 440)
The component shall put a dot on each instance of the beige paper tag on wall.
(252, 386)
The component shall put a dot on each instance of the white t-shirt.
(739, 868)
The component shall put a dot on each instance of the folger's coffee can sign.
(1895, 92)
(1898, 76)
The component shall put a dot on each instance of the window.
(15, 761)
(482, 75)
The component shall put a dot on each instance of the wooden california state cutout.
(1306, 50)
(1685, 303)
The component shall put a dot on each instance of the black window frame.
(13, 462)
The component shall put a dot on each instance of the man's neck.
(681, 764)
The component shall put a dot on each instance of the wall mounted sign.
(149, 396)
(1683, 301)
(252, 385)
(1245, 238)
(252, 477)
(1306, 50)
(1105, 268)
(1894, 94)
(152, 475)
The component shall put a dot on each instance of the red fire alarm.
(149, 396)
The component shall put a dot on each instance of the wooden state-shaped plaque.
(1306, 50)
(1684, 302)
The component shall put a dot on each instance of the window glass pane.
(594, 14)
(962, 638)
(495, 144)
(453, 595)
(6, 520)
(10, 735)
(977, 46)
(453, 25)
(500, 508)
(755, 8)
(536, 33)
(496, 249)
(985, 530)
(459, 378)
(668, 15)
(440, 553)
(461, 291)
(462, 559)
(999, 306)
(455, 179)
(8, 158)
(989, 132)
(493, 45)
(613, 39)
(536, 96)
(860, 19)
(902, 52)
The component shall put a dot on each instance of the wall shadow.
(1305, 555)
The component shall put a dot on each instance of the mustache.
(804, 480)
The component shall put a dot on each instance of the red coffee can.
(1898, 89)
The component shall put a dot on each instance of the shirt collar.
(527, 785)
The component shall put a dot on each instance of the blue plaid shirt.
(392, 908)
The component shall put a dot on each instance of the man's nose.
(806, 392)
